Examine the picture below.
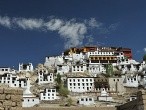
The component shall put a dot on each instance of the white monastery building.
(25, 67)
(48, 94)
(44, 77)
(80, 84)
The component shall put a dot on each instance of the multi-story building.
(44, 77)
(25, 67)
(100, 83)
(78, 68)
(95, 69)
(63, 69)
(4, 70)
(94, 59)
(53, 61)
(130, 80)
(13, 80)
(116, 84)
(48, 94)
(80, 84)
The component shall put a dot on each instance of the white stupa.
(104, 96)
(27, 92)
(104, 93)
(29, 100)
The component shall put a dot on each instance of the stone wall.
(11, 98)
(71, 108)
(137, 104)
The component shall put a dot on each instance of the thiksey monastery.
(89, 75)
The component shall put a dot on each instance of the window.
(52, 94)
(117, 79)
(33, 100)
(28, 100)
(48, 94)
(82, 99)
(78, 84)
(83, 80)
(53, 90)
(90, 99)
(74, 80)
(87, 80)
(70, 84)
(78, 80)
(49, 90)
(114, 79)
(86, 99)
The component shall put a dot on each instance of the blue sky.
(33, 29)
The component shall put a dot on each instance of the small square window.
(53, 90)
(90, 99)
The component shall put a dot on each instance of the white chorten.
(104, 93)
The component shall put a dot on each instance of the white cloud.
(144, 49)
(54, 24)
(5, 21)
(113, 26)
(71, 31)
(94, 23)
(29, 23)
